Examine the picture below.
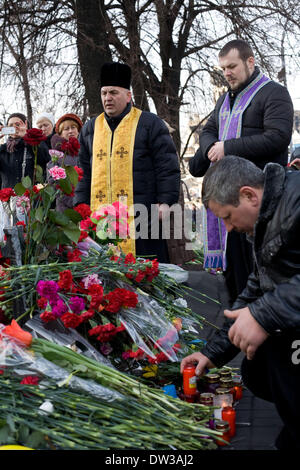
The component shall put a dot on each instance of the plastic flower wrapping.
(76, 312)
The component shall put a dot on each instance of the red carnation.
(6, 194)
(119, 298)
(70, 320)
(84, 210)
(85, 316)
(83, 235)
(96, 293)
(47, 316)
(21, 223)
(129, 259)
(88, 225)
(65, 280)
(34, 136)
(105, 333)
(42, 302)
(71, 146)
(74, 255)
(30, 380)
(79, 172)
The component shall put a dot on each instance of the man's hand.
(246, 333)
(216, 152)
(202, 363)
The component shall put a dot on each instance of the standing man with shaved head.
(254, 120)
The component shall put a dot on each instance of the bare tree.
(171, 46)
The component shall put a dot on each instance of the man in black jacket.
(262, 135)
(264, 321)
(128, 155)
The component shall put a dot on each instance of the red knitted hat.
(67, 117)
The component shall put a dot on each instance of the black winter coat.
(156, 172)
(267, 126)
(272, 293)
(11, 163)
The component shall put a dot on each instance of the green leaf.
(59, 218)
(23, 433)
(43, 256)
(52, 237)
(26, 182)
(35, 439)
(80, 368)
(72, 174)
(19, 189)
(65, 186)
(72, 232)
(11, 423)
(37, 230)
(39, 176)
(49, 190)
(39, 214)
(73, 215)
(4, 434)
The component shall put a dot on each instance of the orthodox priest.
(128, 155)
(253, 120)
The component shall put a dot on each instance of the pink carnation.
(57, 173)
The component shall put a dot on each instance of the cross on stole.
(122, 152)
(100, 196)
(122, 195)
(101, 154)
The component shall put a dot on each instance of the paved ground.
(258, 422)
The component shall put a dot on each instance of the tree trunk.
(93, 49)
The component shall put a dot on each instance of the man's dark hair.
(224, 179)
(245, 50)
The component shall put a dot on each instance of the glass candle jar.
(228, 414)
(225, 373)
(226, 382)
(238, 387)
(211, 382)
(206, 399)
(189, 380)
(222, 426)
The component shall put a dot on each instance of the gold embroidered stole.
(112, 168)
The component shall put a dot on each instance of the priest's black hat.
(116, 74)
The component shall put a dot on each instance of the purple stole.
(230, 127)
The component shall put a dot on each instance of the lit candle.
(228, 414)
(221, 401)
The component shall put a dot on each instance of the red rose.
(35, 189)
(6, 194)
(79, 172)
(65, 280)
(30, 380)
(84, 210)
(71, 146)
(34, 136)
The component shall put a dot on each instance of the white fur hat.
(48, 116)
